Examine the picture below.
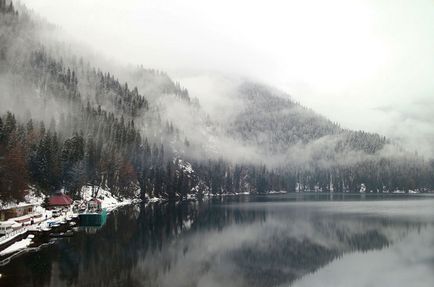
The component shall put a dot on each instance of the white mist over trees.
(67, 122)
(365, 64)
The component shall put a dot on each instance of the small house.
(95, 215)
(60, 200)
(24, 220)
(16, 211)
(94, 204)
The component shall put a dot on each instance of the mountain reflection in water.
(245, 241)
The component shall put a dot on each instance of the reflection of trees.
(154, 241)
(32, 269)
(285, 260)
(107, 257)
(285, 254)
(133, 238)
(215, 216)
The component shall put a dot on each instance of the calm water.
(279, 240)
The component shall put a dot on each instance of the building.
(60, 200)
(95, 215)
(16, 211)
(94, 204)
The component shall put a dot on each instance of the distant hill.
(65, 122)
(269, 119)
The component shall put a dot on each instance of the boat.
(6, 227)
(94, 215)
(45, 228)
(53, 224)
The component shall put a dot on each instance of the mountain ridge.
(87, 127)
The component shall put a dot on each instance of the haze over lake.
(216, 143)
(280, 240)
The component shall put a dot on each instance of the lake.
(270, 240)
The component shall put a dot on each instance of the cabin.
(24, 220)
(16, 211)
(94, 204)
(95, 215)
(60, 200)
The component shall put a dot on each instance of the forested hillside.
(271, 120)
(65, 124)
(62, 138)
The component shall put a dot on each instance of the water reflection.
(410, 262)
(263, 241)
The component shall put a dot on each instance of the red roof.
(60, 200)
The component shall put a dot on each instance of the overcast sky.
(364, 64)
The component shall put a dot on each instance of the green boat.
(94, 215)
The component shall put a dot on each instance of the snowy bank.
(108, 200)
(17, 246)
(30, 198)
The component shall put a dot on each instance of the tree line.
(98, 137)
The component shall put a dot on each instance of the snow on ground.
(17, 246)
(108, 200)
(277, 192)
(34, 198)
(43, 222)
(244, 193)
(30, 198)
(154, 199)
(185, 166)
(227, 194)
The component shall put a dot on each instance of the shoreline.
(18, 241)
(14, 243)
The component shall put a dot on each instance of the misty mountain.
(67, 121)
(269, 119)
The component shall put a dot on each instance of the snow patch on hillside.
(187, 169)
(108, 200)
(32, 197)
(185, 166)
